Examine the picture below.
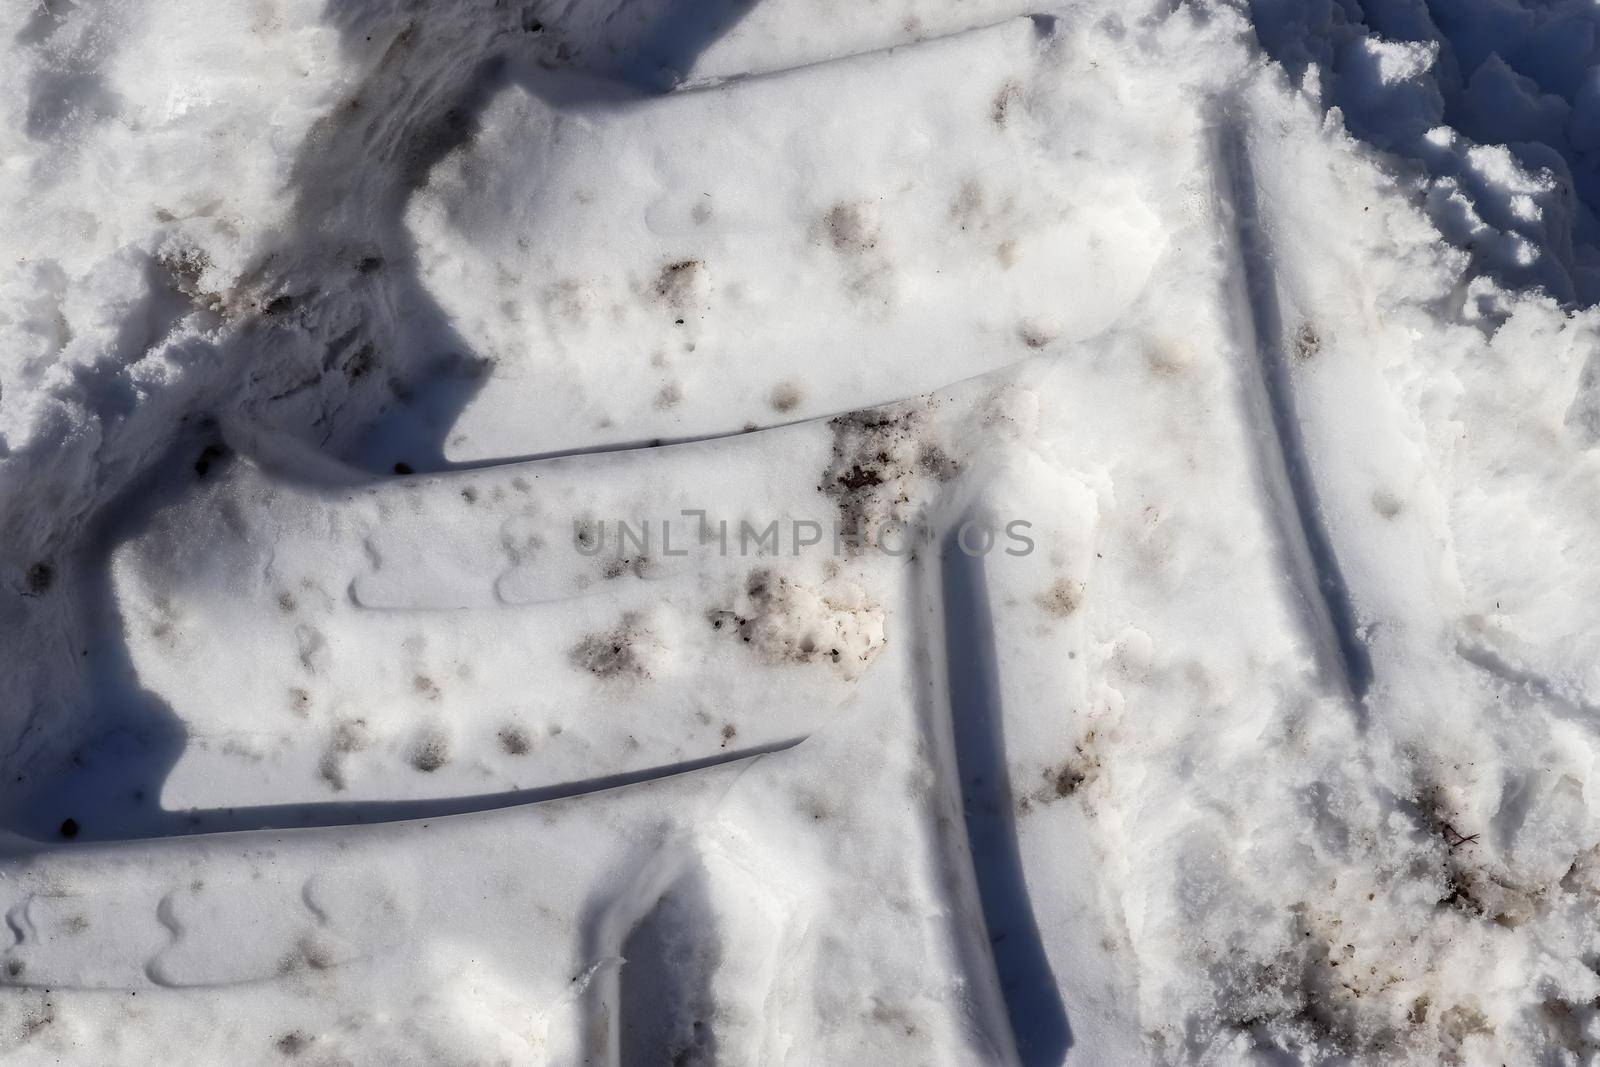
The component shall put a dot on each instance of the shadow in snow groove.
(666, 1005)
(358, 477)
(161, 824)
(1270, 401)
(1530, 682)
(1027, 984)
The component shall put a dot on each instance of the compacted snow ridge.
(647, 532)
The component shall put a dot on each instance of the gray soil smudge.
(1066, 778)
(677, 282)
(292, 1044)
(617, 566)
(1062, 598)
(1004, 100)
(786, 396)
(38, 1018)
(514, 740)
(1034, 335)
(348, 737)
(967, 206)
(849, 229)
(430, 751)
(1307, 342)
(787, 622)
(1471, 885)
(669, 396)
(612, 654)
(877, 453)
(936, 463)
(586, 534)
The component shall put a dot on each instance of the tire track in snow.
(1561, 702)
(1044, 25)
(335, 814)
(1017, 1013)
(1027, 983)
(1288, 480)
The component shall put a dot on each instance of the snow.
(488, 496)
(744, 234)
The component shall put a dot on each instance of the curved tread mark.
(1291, 485)
(1027, 983)
(376, 812)
(167, 916)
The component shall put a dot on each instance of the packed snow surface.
(799, 532)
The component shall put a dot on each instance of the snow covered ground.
(798, 531)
